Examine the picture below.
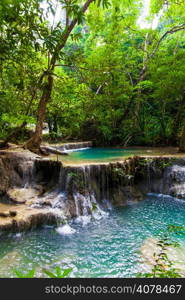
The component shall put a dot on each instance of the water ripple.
(107, 248)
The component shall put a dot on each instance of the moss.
(77, 181)
(118, 172)
(120, 175)
(94, 207)
(144, 162)
(157, 162)
(163, 163)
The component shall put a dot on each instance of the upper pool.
(98, 155)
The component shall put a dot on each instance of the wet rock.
(15, 169)
(16, 195)
(26, 219)
(12, 213)
(47, 203)
(46, 173)
(4, 214)
(23, 195)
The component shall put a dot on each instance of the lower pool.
(109, 247)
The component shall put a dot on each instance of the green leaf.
(49, 273)
(67, 272)
(20, 274)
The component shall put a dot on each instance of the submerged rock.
(150, 249)
(10, 261)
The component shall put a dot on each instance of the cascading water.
(76, 198)
(88, 191)
(82, 192)
(71, 196)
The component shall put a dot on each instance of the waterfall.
(91, 190)
(74, 191)
(88, 192)
(82, 191)
(27, 170)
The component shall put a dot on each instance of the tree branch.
(66, 34)
(171, 31)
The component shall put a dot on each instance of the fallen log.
(53, 150)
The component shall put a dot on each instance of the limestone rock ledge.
(16, 194)
(26, 218)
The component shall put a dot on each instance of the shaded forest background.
(113, 82)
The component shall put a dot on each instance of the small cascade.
(97, 212)
(75, 146)
(28, 175)
(76, 191)
(22, 192)
(90, 191)
(26, 171)
(175, 179)
(86, 205)
(74, 150)
(76, 198)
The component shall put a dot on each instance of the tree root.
(4, 145)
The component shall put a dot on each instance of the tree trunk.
(142, 75)
(182, 140)
(34, 143)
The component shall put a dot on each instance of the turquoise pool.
(109, 247)
(97, 155)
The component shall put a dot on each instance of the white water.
(65, 230)
(77, 149)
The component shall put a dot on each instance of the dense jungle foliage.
(92, 71)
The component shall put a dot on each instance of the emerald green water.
(105, 154)
(109, 247)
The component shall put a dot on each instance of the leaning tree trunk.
(182, 140)
(34, 143)
(137, 119)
